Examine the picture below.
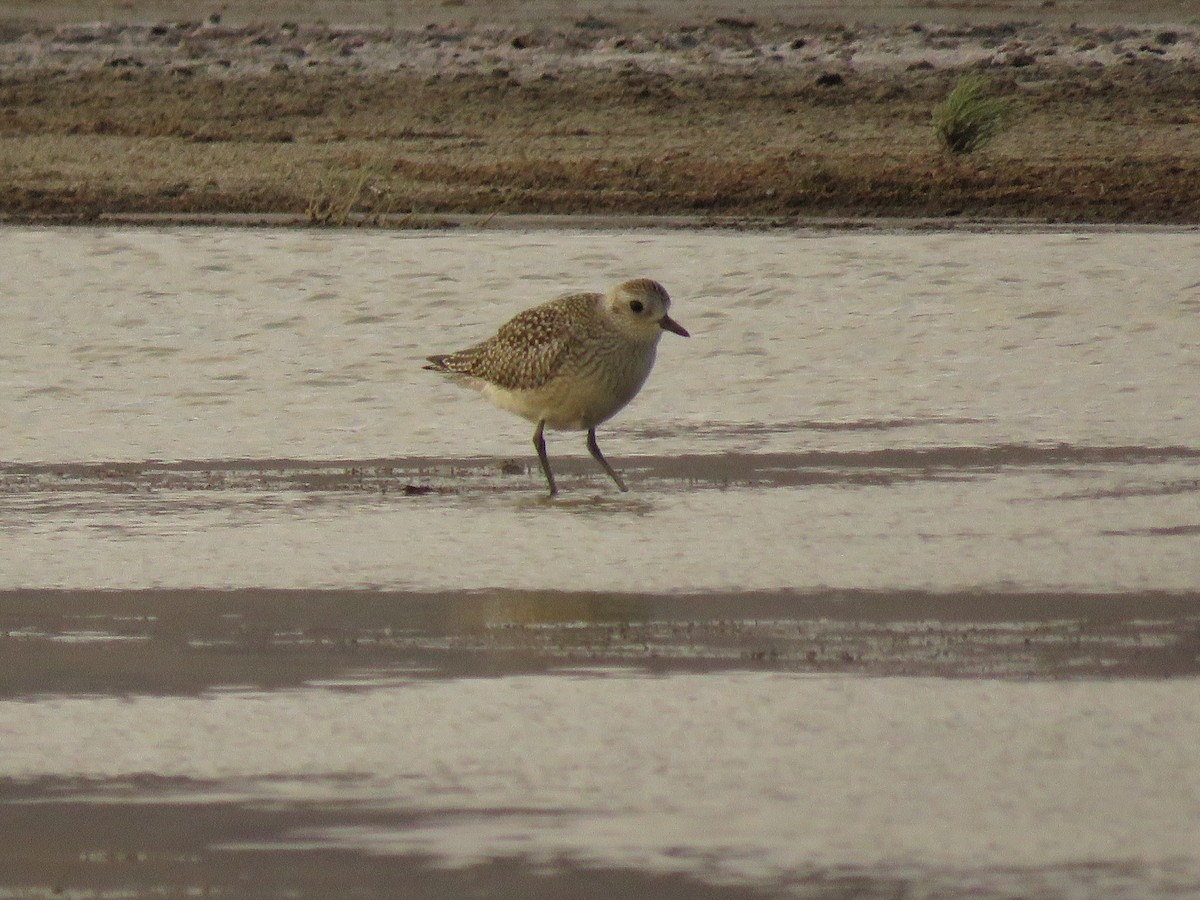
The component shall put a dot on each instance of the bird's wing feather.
(527, 350)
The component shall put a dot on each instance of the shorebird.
(571, 363)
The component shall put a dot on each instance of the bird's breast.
(587, 391)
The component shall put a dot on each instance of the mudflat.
(349, 111)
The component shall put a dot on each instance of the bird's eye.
(636, 305)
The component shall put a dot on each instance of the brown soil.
(729, 117)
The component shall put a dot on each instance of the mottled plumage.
(571, 363)
(529, 348)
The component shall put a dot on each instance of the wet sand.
(407, 771)
(187, 642)
(180, 850)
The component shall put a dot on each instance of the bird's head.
(639, 308)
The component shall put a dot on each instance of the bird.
(569, 364)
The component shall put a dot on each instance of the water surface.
(903, 601)
(939, 411)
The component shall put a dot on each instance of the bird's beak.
(669, 324)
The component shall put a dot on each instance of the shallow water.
(939, 411)
(204, 344)
(770, 779)
(907, 512)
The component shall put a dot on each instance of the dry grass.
(336, 149)
(359, 194)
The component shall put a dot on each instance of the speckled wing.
(529, 349)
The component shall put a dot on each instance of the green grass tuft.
(967, 119)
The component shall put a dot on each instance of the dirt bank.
(728, 116)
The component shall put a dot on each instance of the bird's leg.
(594, 449)
(539, 442)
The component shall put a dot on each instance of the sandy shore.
(340, 112)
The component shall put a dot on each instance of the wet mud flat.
(317, 742)
(325, 742)
(259, 743)
(152, 641)
(146, 640)
(254, 743)
(76, 848)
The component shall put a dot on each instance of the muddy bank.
(720, 117)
